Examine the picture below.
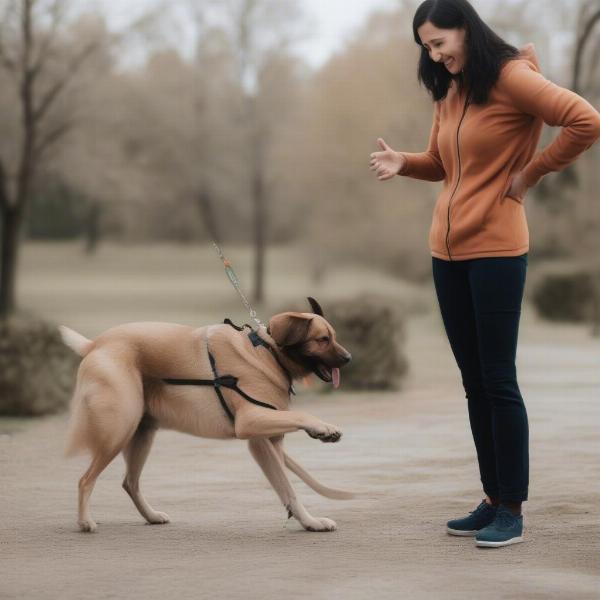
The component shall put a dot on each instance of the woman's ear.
(289, 329)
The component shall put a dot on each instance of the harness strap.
(236, 327)
(256, 340)
(228, 381)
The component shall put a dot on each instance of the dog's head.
(308, 341)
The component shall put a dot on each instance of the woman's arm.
(533, 94)
(426, 165)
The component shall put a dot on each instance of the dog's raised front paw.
(320, 524)
(325, 433)
(158, 518)
(88, 526)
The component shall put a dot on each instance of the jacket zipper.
(459, 175)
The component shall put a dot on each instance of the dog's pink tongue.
(335, 377)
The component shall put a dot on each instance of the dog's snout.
(347, 358)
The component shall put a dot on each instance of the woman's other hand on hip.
(518, 188)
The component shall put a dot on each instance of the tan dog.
(138, 377)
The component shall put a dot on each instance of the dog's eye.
(324, 339)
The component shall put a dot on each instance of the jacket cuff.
(405, 168)
(532, 174)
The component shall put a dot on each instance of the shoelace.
(504, 518)
(483, 506)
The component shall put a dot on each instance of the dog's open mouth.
(329, 375)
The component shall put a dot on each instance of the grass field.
(178, 283)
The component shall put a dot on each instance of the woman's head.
(456, 44)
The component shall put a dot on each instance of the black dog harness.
(230, 381)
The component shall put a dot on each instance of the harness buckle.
(228, 381)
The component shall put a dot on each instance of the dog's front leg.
(270, 462)
(256, 422)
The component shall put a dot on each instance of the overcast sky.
(330, 24)
(334, 21)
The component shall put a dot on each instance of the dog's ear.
(316, 308)
(288, 329)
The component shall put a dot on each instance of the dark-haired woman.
(490, 104)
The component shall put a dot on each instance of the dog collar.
(256, 341)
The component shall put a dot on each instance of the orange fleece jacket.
(476, 149)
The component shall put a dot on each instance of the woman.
(490, 103)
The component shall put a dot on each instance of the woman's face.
(444, 45)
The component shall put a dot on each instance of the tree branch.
(74, 65)
(9, 63)
(52, 136)
(3, 189)
(57, 12)
(582, 40)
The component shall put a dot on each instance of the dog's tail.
(77, 430)
(79, 344)
(314, 484)
(77, 433)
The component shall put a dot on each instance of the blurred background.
(134, 133)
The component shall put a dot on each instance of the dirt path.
(410, 452)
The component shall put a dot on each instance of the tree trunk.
(10, 232)
(92, 227)
(259, 202)
(208, 215)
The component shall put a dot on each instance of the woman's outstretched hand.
(386, 163)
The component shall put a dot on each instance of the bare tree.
(254, 29)
(589, 22)
(28, 43)
(588, 25)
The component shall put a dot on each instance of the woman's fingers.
(382, 144)
(380, 161)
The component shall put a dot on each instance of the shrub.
(563, 295)
(373, 332)
(37, 371)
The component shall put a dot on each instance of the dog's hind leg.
(135, 454)
(270, 462)
(86, 485)
(111, 407)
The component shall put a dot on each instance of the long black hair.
(486, 51)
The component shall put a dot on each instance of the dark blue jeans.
(480, 303)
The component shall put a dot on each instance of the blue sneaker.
(481, 517)
(505, 530)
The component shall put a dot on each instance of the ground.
(408, 453)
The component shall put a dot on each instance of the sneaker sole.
(462, 532)
(515, 540)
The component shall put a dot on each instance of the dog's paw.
(321, 524)
(88, 526)
(325, 433)
(158, 518)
